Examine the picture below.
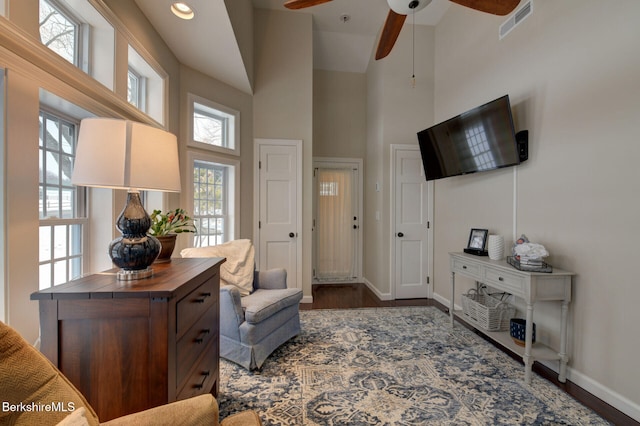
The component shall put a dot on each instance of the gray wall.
(571, 70)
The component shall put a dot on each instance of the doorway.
(411, 213)
(278, 204)
(337, 205)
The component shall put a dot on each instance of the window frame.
(94, 33)
(155, 82)
(141, 92)
(232, 191)
(78, 24)
(232, 130)
(51, 223)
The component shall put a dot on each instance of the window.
(74, 29)
(136, 85)
(214, 126)
(214, 195)
(59, 31)
(146, 85)
(61, 205)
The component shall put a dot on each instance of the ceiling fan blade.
(301, 4)
(494, 7)
(390, 33)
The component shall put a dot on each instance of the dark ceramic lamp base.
(134, 251)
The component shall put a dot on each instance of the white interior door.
(410, 226)
(279, 206)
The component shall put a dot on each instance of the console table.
(530, 287)
(132, 345)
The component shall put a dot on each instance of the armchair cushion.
(262, 304)
(199, 410)
(271, 279)
(76, 418)
(27, 377)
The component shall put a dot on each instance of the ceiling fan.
(399, 9)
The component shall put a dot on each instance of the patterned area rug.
(393, 366)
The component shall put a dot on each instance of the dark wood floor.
(348, 296)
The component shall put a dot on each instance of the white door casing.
(353, 165)
(411, 210)
(278, 204)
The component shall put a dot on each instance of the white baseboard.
(381, 296)
(587, 383)
(597, 389)
(307, 299)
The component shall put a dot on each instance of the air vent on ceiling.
(515, 19)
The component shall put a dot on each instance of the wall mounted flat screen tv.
(480, 139)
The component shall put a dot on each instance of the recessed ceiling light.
(182, 10)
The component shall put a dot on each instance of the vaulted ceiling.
(344, 34)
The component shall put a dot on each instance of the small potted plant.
(166, 226)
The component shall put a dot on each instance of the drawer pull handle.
(500, 279)
(203, 333)
(200, 385)
(203, 298)
(464, 266)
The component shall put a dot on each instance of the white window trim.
(234, 196)
(191, 99)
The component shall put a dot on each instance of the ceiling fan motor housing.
(407, 7)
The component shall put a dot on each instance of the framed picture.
(478, 239)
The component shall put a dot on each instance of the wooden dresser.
(129, 346)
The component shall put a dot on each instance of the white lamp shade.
(123, 154)
(401, 7)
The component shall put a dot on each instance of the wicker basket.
(486, 311)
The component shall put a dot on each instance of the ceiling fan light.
(182, 10)
(407, 7)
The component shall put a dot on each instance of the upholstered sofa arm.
(231, 312)
(199, 410)
(271, 279)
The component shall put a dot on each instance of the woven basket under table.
(486, 311)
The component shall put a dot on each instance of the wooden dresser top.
(166, 280)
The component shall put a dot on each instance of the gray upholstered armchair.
(258, 312)
(253, 326)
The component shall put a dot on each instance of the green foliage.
(172, 222)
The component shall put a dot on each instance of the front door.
(410, 224)
(279, 206)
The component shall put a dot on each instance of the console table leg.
(528, 361)
(453, 293)
(564, 358)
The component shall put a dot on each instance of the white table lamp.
(122, 154)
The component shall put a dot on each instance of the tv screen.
(480, 139)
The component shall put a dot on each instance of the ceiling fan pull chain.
(413, 58)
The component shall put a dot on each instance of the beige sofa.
(34, 392)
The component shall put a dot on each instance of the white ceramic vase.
(496, 247)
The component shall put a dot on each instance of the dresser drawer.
(194, 342)
(466, 268)
(505, 281)
(190, 308)
(204, 376)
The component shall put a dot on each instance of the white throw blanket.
(238, 269)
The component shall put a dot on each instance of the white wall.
(396, 111)
(339, 114)
(283, 99)
(571, 70)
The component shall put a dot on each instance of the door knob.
(400, 234)
(291, 235)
